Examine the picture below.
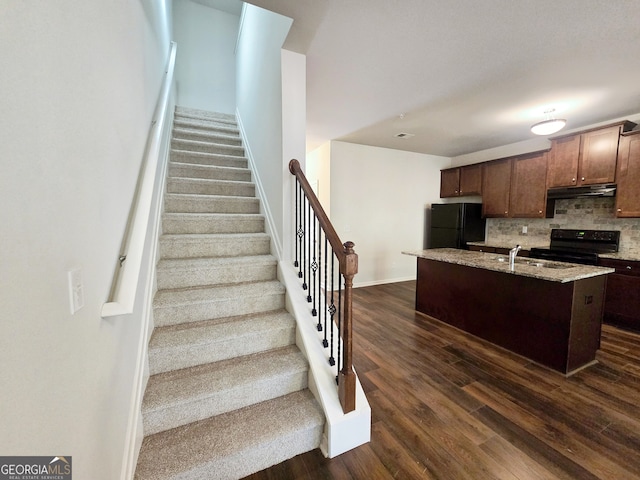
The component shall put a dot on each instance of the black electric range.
(578, 246)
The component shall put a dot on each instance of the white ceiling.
(467, 74)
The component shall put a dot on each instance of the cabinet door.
(563, 162)
(529, 186)
(449, 182)
(628, 176)
(622, 300)
(598, 156)
(495, 188)
(471, 180)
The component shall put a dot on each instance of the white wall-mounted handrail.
(127, 274)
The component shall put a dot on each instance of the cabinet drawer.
(623, 267)
(478, 248)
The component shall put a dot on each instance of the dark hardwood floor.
(446, 405)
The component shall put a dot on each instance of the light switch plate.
(76, 290)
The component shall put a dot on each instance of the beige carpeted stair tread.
(194, 304)
(189, 344)
(188, 112)
(204, 203)
(235, 444)
(210, 187)
(206, 136)
(206, 125)
(190, 296)
(210, 147)
(211, 172)
(194, 272)
(179, 397)
(203, 158)
(213, 245)
(212, 223)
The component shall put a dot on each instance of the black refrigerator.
(455, 224)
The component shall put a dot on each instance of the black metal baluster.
(304, 250)
(339, 320)
(309, 240)
(295, 225)
(314, 268)
(325, 342)
(332, 311)
(300, 230)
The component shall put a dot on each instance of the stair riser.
(180, 204)
(210, 350)
(210, 187)
(206, 126)
(210, 173)
(169, 279)
(273, 431)
(184, 224)
(207, 147)
(255, 460)
(223, 401)
(198, 158)
(196, 248)
(179, 314)
(182, 113)
(207, 136)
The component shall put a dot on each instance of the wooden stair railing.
(335, 305)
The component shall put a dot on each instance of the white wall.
(294, 126)
(318, 173)
(79, 87)
(205, 65)
(259, 102)
(379, 199)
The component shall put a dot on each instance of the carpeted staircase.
(228, 393)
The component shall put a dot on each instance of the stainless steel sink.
(535, 263)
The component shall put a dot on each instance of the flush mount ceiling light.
(550, 125)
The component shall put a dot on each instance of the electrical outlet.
(524, 229)
(76, 290)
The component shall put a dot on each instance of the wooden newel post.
(347, 377)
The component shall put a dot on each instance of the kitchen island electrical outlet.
(76, 293)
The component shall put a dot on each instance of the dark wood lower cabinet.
(622, 301)
(555, 324)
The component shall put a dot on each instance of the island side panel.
(528, 316)
(586, 321)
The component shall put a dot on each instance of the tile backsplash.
(580, 213)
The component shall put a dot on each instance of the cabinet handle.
(573, 180)
(619, 209)
(628, 267)
(582, 179)
(539, 211)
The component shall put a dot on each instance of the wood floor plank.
(446, 405)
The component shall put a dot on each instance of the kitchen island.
(549, 312)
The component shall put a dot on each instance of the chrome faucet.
(512, 256)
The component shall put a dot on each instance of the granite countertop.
(632, 256)
(526, 267)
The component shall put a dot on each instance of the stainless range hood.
(604, 190)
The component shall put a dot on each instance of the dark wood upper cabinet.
(563, 162)
(450, 182)
(456, 182)
(496, 185)
(628, 176)
(471, 179)
(585, 158)
(529, 186)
